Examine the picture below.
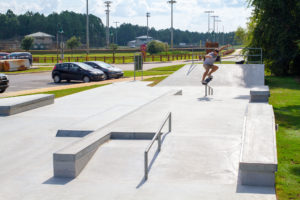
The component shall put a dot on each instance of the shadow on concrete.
(253, 189)
(192, 67)
(57, 181)
(204, 99)
(143, 181)
(243, 97)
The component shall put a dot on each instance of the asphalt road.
(31, 81)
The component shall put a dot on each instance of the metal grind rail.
(157, 137)
(208, 90)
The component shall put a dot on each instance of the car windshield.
(85, 66)
(105, 65)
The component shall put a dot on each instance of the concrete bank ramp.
(231, 75)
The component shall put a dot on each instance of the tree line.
(275, 27)
(74, 24)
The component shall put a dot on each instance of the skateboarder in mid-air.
(209, 66)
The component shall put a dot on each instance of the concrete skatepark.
(219, 147)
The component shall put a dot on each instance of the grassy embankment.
(285, 98)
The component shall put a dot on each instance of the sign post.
(138, 64)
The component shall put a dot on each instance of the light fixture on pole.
(172, 34)
(208, 13)
(116, 31)
(87, 27)
(147, 15)
(107, 5)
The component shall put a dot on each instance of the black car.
(20, 55)
(3, 55)
(109, 70)
(76, 71)
(3, 83)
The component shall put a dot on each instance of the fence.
(119, 59)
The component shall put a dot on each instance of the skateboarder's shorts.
(207, 67)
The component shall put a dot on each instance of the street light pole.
(218, 31)
(208, 13)
(116, 31)
(87, 28)
(172, 34)
(147, 15)
(107, 5)
(214, 30)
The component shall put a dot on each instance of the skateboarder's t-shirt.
(210, 61)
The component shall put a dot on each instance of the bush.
(155, 47)
(27, 43)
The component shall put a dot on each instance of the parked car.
(20, 55)
(3, 55)
(76, 71)
(3, 83)
(109, 70)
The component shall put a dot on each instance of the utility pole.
(218, 31)
(172, 34)
(87, 28)
(107, 5)
(147, 15)
(208, 14)
(116, 31)
(214, 29)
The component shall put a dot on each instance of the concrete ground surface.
(199, 158)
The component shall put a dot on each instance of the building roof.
(143, 37)
(39, 34)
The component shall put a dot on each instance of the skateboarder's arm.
(224, 47)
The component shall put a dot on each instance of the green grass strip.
(41, 69)
(285, 98)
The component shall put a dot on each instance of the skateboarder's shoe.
(204, 82)
(208, 80)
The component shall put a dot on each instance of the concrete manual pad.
(15, 105)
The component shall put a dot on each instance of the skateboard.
(207, 80)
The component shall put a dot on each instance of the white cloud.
(188, 14)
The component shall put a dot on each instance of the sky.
(188, 14)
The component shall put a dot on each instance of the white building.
(42, 40)
(139, 41)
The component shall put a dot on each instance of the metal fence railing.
(157, 137)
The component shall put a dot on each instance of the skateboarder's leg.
(213, 69)
(205, 74)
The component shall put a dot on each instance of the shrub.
(155, 47)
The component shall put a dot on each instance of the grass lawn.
(285, 98)
(41, 69)
(155, 80)
(155, 71)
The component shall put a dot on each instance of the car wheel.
(3, 90)
(57, 79)
(86, 79)
(104, 76)
(68, 81)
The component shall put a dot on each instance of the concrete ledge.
(73, 133)
(15, 105)
(70, 161)
(260, 94)
(258, 161)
